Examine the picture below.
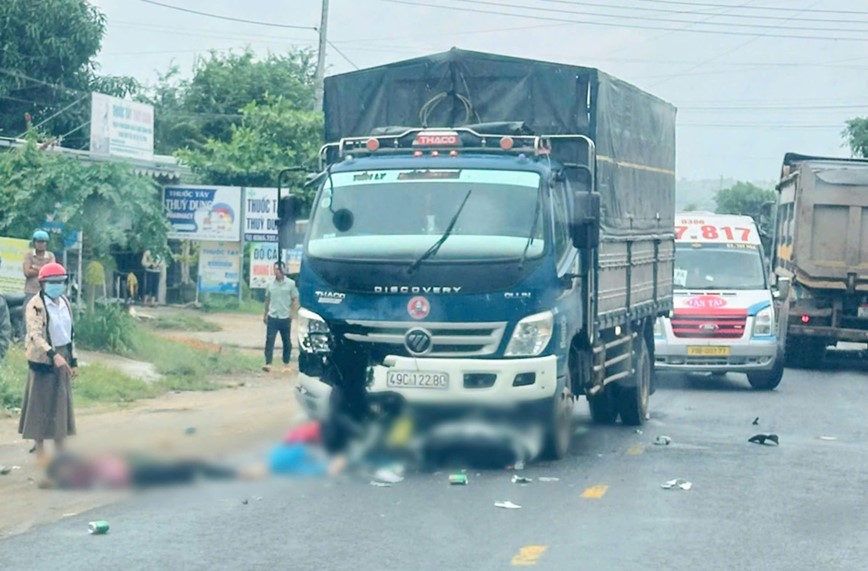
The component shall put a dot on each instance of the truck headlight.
(763, 322)
(531, 335)
(313, 332)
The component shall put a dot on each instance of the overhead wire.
(666, 20)
(229, 18)
(427, 4)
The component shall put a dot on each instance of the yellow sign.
(12, 252)
(709, 351)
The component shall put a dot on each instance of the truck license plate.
(417, 380)
(708, 351)
(863, 311)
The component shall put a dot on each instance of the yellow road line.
(635, 450)
(595, 492)
(529, 554)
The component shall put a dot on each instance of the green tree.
(206, 107)
(108, 202)
(743, 198)
(271, 136)
(48, 67)
(856, 135)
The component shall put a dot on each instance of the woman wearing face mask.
(46, 412)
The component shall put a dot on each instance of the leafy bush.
(106, 328)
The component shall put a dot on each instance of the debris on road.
(387, 476)
(458, 479)
(190, 430)
(507, 505)
(380, 484)
(519, 465)
(245, 501)
(764, 438)
(638, 431)
(662, 440)
(516, 479)
(4, 470)
(828, 438)
(755, 421)
(548, 479)
(100, 527)
(677, 483)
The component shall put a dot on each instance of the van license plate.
(709, 351)
(417, 380)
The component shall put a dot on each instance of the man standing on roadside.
(280, 296)
(33, 261)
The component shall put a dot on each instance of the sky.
(752, 79)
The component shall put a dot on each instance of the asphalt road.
(801, 505)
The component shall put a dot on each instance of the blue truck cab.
(468, 272)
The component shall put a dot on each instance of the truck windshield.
(719, 266)
(399, 214)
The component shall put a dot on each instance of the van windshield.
(719, 266)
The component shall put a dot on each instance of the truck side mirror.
(783, 288)
(585, 226)
(288, 210)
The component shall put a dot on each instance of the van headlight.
(531, 335)
(763, 322)
(312, 332)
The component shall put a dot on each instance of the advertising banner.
(220, 267)
(260, 214)
(203, 212)
(121, 128)
(12, 252)
(263, 256)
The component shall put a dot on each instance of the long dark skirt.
(46, 413)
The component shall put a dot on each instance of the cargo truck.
(490, 238)
(820, 253)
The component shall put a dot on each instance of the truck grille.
(709, 327)
(448, 339)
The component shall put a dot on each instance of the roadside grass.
(186, 365)
(227, 304)
(182, 322)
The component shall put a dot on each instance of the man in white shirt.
(280, 296)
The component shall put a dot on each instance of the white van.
(723, 318)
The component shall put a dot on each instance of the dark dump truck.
(820, 252)
(491, 237)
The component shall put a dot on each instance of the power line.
(702, 13)
(621, 25)
(767, 8)
(229, 18)
(61, 112)
(342, 54)
(667, 20)
(721, 54)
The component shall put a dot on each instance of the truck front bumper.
(743, 357)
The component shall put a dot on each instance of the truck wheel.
(633, 400)
(804, 352)
(767, 380)
(559, 428)
(602, 406)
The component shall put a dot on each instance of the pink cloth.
(308, 433)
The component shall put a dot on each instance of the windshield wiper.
(435, 247)
(532, 230)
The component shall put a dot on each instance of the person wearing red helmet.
(46, 412)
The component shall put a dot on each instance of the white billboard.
(121, 128)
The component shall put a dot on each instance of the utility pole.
(320, 58)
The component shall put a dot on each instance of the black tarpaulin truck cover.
(634, 131)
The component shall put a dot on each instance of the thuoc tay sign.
(203, 212)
